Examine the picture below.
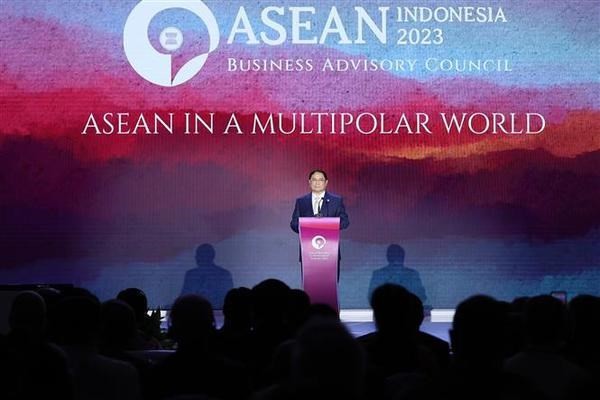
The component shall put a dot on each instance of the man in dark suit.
(319, 203)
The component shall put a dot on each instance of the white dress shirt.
(316, 200)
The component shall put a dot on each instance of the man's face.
(317, 182)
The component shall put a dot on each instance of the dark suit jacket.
(333, 206)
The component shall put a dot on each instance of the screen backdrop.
(476, 209)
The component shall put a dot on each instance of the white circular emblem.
(318, 242)
(153, 65)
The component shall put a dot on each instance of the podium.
(319, 246)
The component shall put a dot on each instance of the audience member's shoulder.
(167, 362)
(518, 387)
(54, 352)
(119, 367)
(367, 339)
(433, 341)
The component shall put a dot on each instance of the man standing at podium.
(320, 269)
(319, 203)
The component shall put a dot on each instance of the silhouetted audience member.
(515, 335)
(117, 326)
(95, 376)
(30, 367)
(395, 348)
(296, 313)
(148, 327)
(238, 310)
(279, 368)
(322, 310)
(395, 272)
(51, 297)
(477, 334)
(195, 368)
(235, 339)
(327, 364)
(478, 342)
(439, 348)
(208, 280)
(275, 343)
(271, 299)
(541, 363)
(583, 343)
(518, 304)
(117, 334)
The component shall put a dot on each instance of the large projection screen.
(466, 133)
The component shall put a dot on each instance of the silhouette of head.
(396, 310)
(416, 310)
(191, 321)
(327, 363)
(270, 299)
(136, 298)
(584, 320)
(545, 320)
(477, 333)
(518, 304)
(50, 295)
(205, 254)
(320, 310)
(297, 309)
(237, 308)
(118, 327)
(28, 315)
(78, 319)
(395, 254)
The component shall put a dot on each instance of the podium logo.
(153, 65)
(318, 242)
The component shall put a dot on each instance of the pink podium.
(319, 245)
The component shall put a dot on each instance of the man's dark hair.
(136, 298)
(395, 309)
(191, 320)
(316, 171)
(478, 331)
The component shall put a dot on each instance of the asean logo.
(155, 66)
(318, 242)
